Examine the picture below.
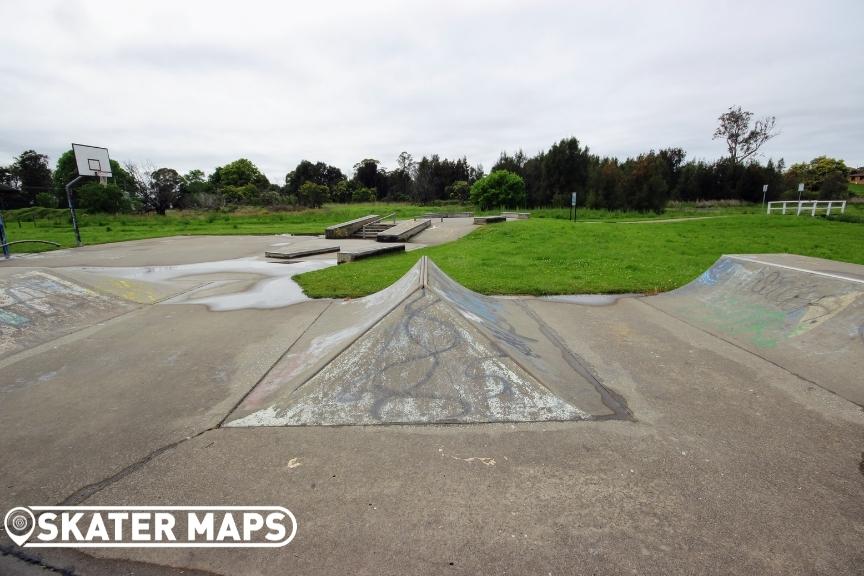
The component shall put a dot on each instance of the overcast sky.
(190, 84)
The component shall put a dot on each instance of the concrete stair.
(370, 231)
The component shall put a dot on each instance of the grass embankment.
(557, 257)
(54, 224)
(856, 189)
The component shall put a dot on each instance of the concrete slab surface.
(352, 254)
(311, 248)
(734, 460)
(403, 231)
(445, 230)
(489, 219)
(153, 251)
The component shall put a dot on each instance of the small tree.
(742, 141)
(501, 188)
(363, 195)
(157, 190)
(33, 171)
(312, 195)
(67, 170)
(459, 190)
(834, 187)
(110, 199)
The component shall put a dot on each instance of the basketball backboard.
(92, 160)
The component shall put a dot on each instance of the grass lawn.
(856, 189)
(551, 256)
(53, 224)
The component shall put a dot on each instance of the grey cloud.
(197, 84)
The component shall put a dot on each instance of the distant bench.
(346, 229)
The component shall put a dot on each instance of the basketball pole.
(72, 209)
(3, 237)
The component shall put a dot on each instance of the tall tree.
(239, 173)
(156, 189)
(366, 173)
(565, 170)
(33, 172)
(400, 181)
(317, 173)
(742, 140)
(514, 163)
(194, 182)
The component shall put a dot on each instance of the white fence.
(807, 206)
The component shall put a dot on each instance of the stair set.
(370, 231)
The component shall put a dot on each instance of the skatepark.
(716, 428)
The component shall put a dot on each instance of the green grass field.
(856, 189)
(53, 224)
(548, 256)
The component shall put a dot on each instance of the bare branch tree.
(742, 141)
(157, 190)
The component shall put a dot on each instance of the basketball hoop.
(91, 161)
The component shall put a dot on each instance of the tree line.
(646, 182)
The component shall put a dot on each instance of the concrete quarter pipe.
(804, 314)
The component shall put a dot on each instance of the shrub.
(270, 198)
(246, 194)
(205, 201)
(363, 195)
(312, 195)
(834, 187)
(501, 188)
(110, 199)
(46, 200)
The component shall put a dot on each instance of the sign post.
(764, 193)
(573, 206)
(800, 190)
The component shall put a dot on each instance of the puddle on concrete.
(276, 290)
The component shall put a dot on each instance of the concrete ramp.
(805, 314)
(38, 305)
(426, 350)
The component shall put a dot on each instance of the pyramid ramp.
(426, 350)
(804, 314)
